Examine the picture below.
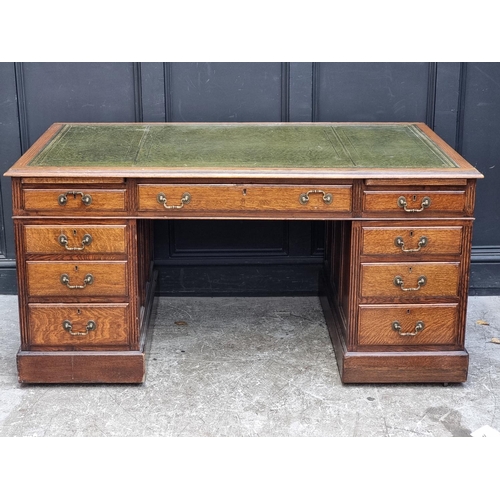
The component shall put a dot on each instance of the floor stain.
(451, 420)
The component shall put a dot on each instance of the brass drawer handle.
(422, 242)
(304, 197)
(402, 203)
(419, 326)
(63, 240)
(161, 198)
(398, 281)
(88, 280)
(68, 326)
(63, 198)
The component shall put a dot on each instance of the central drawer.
(410, 280)
(174, 198)
(77, 279)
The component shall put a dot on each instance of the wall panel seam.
(315, 92)
(285, 91)
(138, 101)
(430, 114)
(462, 88)
(21, 107)
(167, 76)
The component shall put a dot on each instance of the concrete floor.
(251, 367)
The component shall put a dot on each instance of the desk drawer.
(75, 200)
(74, 239)
(412, 240)
(77, 327)
(76, 279)
(168, 198)
(410, 324)
(410, 281)
(409, 202)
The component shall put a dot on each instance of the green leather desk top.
(242, 151)
(242, 145)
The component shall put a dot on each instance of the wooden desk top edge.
(21, 168)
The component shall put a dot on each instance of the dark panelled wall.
(460, 101)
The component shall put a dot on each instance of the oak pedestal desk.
(398, 204)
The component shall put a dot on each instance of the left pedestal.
(85, 293)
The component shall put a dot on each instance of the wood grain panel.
(375, 324)
(228, 198)
(46, 325)
(387, 201)
(377, 280)
(405, 367)
(72, 180)
(109, 279)
(47, 200)
(45, 239)
(81, 367)
(439, 240)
